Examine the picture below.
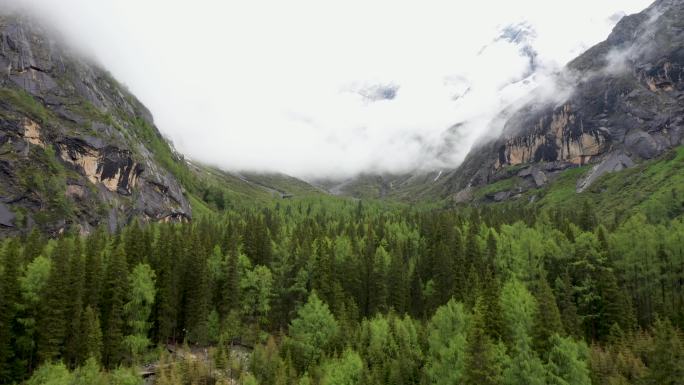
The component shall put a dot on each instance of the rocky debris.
(539, 178)
(501, 196)
(6, 216)
(614, 162)
(464, 195)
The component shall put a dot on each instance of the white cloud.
(284, 85)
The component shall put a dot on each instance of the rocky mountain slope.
(76, 148)
(619, 103)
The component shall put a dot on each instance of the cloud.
(316, 88)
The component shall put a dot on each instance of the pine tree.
(482, 366)
(138, 310)
(9, 302)
(566, 305)
(196, 289)
(135, 245)
(230, 293)
(667, 359)
(547, 318)
(615, 305)
(53, 321)
(94, 247)
(166, 301)
(115, 291)
(92, 335)
(74, 346)
(567, 363)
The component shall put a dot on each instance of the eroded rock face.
(626, 97)
(68, 128)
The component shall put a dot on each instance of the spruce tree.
(9, 302)
(547, 320)
(74, 341)
(138, 310)
(53, 321)
(92, 335)
(566, 305)
(115, 291)
(196, 291)
(482, 366)
(666, 362)
(230, 292)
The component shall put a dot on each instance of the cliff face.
(625, 104)
(76, 148)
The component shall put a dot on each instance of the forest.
(333, 291)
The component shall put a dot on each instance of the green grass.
(563, 189)
(24, 102)
(498, 186)
(654, 188)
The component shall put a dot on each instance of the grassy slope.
(655, 188)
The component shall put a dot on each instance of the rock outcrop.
(76, 148)
(625, 104)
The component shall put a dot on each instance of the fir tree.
(667, 359)
(92, 335)
(53, 322)
(9, 302)
(547, 320)
(482, 366)
(115, 292)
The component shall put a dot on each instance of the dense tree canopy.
(330, 291)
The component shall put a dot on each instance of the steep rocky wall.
(73, 142)
(626, 104)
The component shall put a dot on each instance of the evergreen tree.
(567, 364)
(566, 305)
(166, 301)
(9, 302)
(92, 335)
(547, 320)
(115, 292)
(666, 362)
(196, 292)
(76, 293)
(482, 366)
(138, 310)
(53, 321)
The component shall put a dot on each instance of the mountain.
(615, 106)
(77, 149)
(76, 146)
(619, 103)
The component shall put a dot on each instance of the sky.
(331, 88)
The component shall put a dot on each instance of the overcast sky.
(322, 88)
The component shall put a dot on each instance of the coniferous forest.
(334, 291)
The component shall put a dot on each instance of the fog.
(331, 89)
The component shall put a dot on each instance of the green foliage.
(345, 370)
(138, 309)
(256, 289)
(24, 102)
(567, 364)
(312, 332)
(447, 332)
(483, 364)
(416, 296)
(667, 358)
(51, 374)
